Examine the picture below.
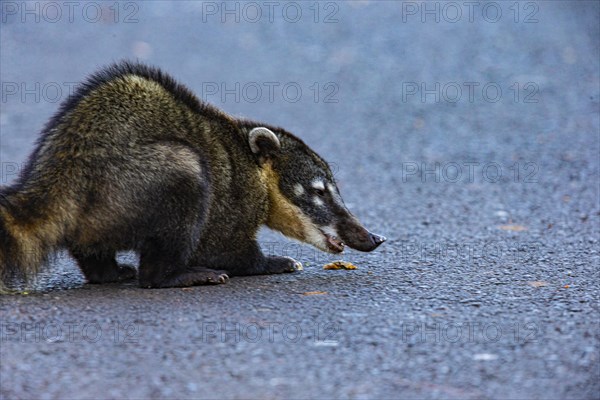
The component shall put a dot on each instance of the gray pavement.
(468, 134)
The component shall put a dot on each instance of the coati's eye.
(320, 192)
(318, 187)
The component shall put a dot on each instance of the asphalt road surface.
(468, 134)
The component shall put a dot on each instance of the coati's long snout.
(348, 231)
(354, 235)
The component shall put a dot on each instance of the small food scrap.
(513, 227)
(339, 265)
(567, 286)
(537, 283)
(313, 293)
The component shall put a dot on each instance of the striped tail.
(23, 248)
(4, 246)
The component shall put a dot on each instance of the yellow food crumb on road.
(339, 265)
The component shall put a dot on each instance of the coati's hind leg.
(162, 265)
(102, 267)
(197, 276)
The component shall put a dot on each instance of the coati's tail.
(5, 270)
(24, 246)
(3, 246)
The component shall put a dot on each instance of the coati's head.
(305, 202)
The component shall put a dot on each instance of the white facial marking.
(298, 189)
(315, 237)
(318, 184)
(330, 230)
(318, 201)
(334, 194)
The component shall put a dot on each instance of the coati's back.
(111, 158)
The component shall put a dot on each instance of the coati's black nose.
(377, 239)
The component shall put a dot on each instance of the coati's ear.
(263, 143)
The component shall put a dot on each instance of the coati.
(134, 161)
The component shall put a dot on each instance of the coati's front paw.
(279, 265)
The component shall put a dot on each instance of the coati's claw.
(279, 265)
(220, 279)
(210, 277)
(294, 266)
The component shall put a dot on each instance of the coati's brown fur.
(134, 161)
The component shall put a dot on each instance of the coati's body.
(134, 161)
